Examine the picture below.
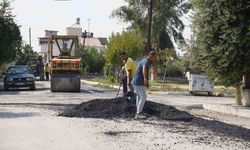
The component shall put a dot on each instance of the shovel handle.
(118, 90)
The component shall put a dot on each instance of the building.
(100, 44)
(43, 42)
(90, 41)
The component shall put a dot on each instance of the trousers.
(140, 98)
(124, 85)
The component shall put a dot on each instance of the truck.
(65, 64)
(37, 66)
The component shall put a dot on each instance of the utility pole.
(150, 8)
(88, 30)
(149, 46)
(88, 24)
(84, 37)
(30, 36)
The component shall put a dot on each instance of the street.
(29, 120)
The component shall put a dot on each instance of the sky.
(40, 15)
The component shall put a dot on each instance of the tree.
(95, 61)
(223, 39)
(166, 57)
(166, 22)
(92, 60)
(22, 57)
(10, 36)
(130, 42)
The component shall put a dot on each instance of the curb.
(229, 109)
(169, 93)
(97, 83)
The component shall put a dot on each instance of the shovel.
(118, 90)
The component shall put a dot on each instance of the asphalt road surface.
(29, 120)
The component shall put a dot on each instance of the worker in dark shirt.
(123, 80)
(140, 82)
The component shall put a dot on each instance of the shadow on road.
(17, 91)
(91, 91)
(18, 115)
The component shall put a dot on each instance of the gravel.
(120, 108)
(223, 128)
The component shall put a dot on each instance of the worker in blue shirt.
(140, 82)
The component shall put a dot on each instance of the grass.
(103, 81)
(175, 87)
(223, 89)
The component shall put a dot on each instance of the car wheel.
(210, 93)
(5, 88)
(33, 87)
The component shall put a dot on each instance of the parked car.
(19, 76)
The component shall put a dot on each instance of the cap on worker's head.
(123, 53)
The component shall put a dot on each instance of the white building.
(96, 42)
(43, 42)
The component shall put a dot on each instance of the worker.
(140, 83)
(130, 68)
(47, 71)
(123, 79)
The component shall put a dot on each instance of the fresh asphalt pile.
(122, 108)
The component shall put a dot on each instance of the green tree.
(223, 39)
(95, 61)
(166, 57)
(84, 55)
(10, 36)
(92, 60)
(22, 57)
(131, 42)
(167, 26)
(166, 22)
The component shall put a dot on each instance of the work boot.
(140, 116)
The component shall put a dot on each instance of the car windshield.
(18, 70)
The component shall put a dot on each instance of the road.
(28, 120)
